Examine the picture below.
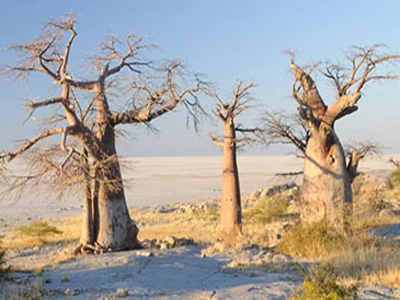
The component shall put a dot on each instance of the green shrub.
(313, 241)
(268, 209)
(4, 268)
(39, 229)
(320, 283)
(395, 176)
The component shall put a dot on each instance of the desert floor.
(164, 180)
(178, 273)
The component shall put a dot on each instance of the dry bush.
(362, 255)
(200, 226)
(39, 230)
(26, 291)
(313, 241)
(371, 265)
(4, 267)
(321, 283)
(266, 210)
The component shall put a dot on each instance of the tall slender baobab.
(231, 209)
(326, 191)
(85, 115)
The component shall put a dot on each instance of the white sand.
(164, 180)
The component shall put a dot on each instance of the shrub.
(39, 229)
(268, 209)
(4, 268)
(395, 176)
(320, 283)
(313, 241)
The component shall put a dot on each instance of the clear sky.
(227, 40)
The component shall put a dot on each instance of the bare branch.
(30, 143)
(285, 130)
(161, 97)
(356, 153)
(216, 141)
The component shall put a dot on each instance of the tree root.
(84, 248)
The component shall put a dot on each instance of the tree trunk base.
(83, 248)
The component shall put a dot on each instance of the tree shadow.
(177, 274)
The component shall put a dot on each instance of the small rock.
(144, 253)
(65, 279)
(171, 241)
(36, 248)
(70, 292)
(268, 257)
(121, 293)
(219, 247)
(164, 246)
(280, 259)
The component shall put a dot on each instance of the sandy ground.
(164, 180)
(179, 273)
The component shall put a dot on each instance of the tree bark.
(326, 191)
(87, 236)
(116, 231)
(231, 212)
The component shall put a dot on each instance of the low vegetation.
(39, 230)
(267, 209)
(4, 268)
(321, 283)
(313, 241)
(339, 260)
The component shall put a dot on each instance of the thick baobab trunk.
(114, 230)
(87, 235)
(231, 211)
(326, 191)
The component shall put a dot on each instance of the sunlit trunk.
(87, 235)
(231, 212)
(116, 229)
(326, 191)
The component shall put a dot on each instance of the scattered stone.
(65, 279)
(170, 241)
(144, 253)
(219, 247)
(72, 292)
(281, 259)
(121, 293)
(46, 281)
(164, 246)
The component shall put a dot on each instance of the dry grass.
(27, 291)
(266, 210)
(69, 229)
(199, 226)
(362, 257)
(370, 265)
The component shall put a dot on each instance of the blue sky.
(228, 41)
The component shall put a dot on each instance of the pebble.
(121, 293)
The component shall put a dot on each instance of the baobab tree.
(85, 113)
(279, 128)
(231, 209)
(326, 191)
